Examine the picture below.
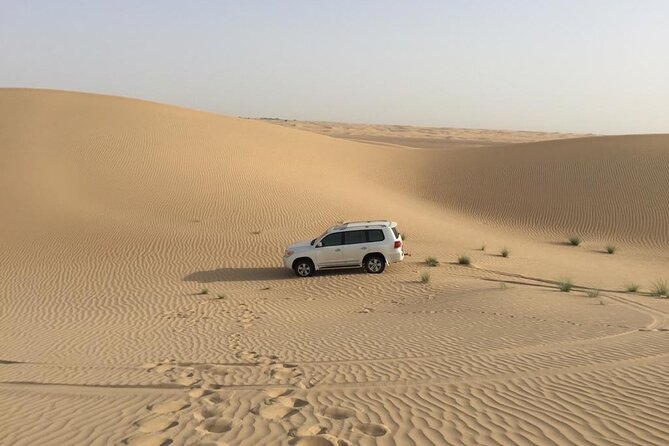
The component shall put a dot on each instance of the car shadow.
(259, 274)
(239, 275)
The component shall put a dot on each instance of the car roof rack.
(361, 224)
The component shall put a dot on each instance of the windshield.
(319, 237)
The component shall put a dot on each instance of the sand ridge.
(143, 300)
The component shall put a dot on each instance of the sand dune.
(117, 213)
(421, 137)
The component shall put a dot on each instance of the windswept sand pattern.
(144, 303)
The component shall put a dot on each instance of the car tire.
(304, 268)
(375, 264)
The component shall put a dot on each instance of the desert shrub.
(660, 288)
(464, 260)
(425, 277)
(611, 249)
(575, 240)
(593, 293)
(502, 286)
(505, 252)
(565, 285)
(432, 261)
(482, 247)
(220, 296)
(204, 291)
(631, 287)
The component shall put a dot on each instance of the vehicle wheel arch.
(301, 259)
(374, 254)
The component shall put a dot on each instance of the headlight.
(288, 253)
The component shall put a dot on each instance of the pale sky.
(561, 65)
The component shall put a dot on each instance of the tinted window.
(396, 232)
(332, 239)
(375, 235)
(353, 237)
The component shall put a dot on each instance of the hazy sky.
(582, 66)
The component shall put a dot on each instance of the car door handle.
(364, 247)
(338, 249)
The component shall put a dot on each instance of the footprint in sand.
(372, 429)
(280, 405)
(307, 430)
(275, 392)
(154, 424)
(284, 372)
(148, 440)
(207, 412)
(198, 393)
(276, 412)
(216, 425)
(294, 403)
(168, 407)
(213, 399)
(339, 413)
(248, 356)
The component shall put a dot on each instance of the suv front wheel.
(375, 264)
(303, 267)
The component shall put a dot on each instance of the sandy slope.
(117, 212)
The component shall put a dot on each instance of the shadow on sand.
(239, 275)
(257, 274)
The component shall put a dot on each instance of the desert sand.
(143, 300)
(421, 137)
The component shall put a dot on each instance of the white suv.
(370, 244)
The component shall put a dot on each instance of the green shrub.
(565, 285)
(432, 261)
(575, 240)
(611, 249)
(660, 288)
(632, 287)
(482, 247)
(425, 277)
(464, 260)
(593, 293)
(220, 296)
(204, 291)
(505, 252)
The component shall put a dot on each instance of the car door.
(354, 248)
(329, 250)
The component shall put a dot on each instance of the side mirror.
(320, 245)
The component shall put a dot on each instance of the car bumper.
(288, 262)
(395, 256)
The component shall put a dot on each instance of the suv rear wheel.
(303, 267)
(374, 264)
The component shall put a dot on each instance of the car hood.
(300, 246)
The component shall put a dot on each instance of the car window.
(396, 232)
(353, 237)
(375, 235)
(333, 239)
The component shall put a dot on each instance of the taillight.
(398, 244)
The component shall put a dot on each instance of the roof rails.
(363, 223)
